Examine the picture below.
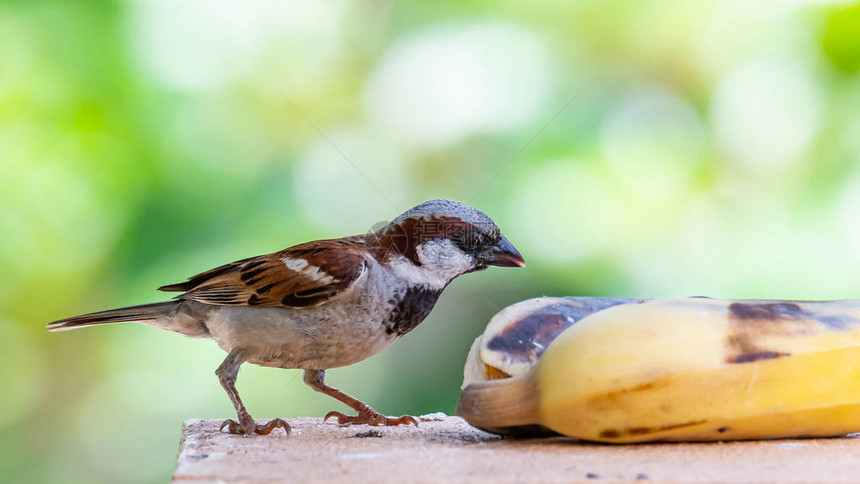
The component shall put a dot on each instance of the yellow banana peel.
(694, 369)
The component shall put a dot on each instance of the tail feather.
(143, 313)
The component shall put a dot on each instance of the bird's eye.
(472, 240)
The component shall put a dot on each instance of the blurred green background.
(647, 149)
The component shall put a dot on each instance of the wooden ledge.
(448, 450)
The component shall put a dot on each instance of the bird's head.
(441, 239)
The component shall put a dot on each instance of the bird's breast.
(409, 309)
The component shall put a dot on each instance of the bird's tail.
(145, 313)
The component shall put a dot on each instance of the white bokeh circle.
(766, 114)
(436, 87)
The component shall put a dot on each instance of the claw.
(231, 424)
(251, 427)
(267, 428)
(371, 417)
(341, 418)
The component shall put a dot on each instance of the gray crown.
(447, 208)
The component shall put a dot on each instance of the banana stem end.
(495, 404)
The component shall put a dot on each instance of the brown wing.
(301, 276)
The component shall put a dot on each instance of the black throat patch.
(410, 309)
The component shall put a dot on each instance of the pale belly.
(287, 338)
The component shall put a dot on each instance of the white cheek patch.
(444, 258)
(313, 273)
(441, 261)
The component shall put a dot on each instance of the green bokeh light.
(640, 149)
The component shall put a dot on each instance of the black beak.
(504, 254)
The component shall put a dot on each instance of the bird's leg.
(227, 373)
(366, 415)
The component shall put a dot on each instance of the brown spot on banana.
(639, 431)
(749, 356)
(530, 326)
(527, 338)
(614, 395)
(767, 311)
(752, 322)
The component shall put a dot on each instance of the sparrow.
(324, 304)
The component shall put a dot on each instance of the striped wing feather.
(300, 276)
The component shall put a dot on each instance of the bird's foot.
(370, 416)
(249, 427)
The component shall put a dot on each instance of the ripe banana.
(695, 369)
